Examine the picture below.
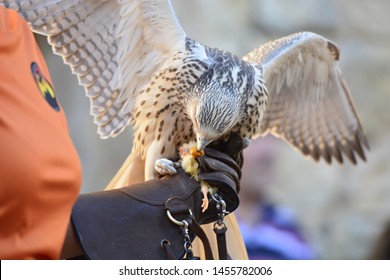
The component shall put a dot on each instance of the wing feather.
(114, 47)
(309, 104)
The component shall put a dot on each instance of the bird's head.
(213, 114)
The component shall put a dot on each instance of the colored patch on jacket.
(44, 87)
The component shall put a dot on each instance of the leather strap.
(203, 237)
(221, 242)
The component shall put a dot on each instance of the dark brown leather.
(131, 222)
(232, 147)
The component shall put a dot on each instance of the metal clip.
(221, 207)
(189, 255)
(187, 239)
(220, 226)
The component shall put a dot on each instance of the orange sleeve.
(40, 172)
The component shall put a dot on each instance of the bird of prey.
(139, 67)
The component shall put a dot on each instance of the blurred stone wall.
(342, 209)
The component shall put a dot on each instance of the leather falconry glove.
(132, 222)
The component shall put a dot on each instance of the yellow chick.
(189, 154)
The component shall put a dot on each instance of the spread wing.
(114, 47)
(309, 104)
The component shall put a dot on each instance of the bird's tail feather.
(131, 172)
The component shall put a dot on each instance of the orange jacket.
(40, 172)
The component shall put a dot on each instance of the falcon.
(139, 67)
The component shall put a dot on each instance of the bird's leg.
(165, 166)
(205, 201)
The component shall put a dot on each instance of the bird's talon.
(165, 166)
(245, 142)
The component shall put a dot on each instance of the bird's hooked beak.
(201, 142)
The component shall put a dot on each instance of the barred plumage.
(138, 66)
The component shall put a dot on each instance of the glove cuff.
(131, 222)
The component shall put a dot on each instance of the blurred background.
(340, 210)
